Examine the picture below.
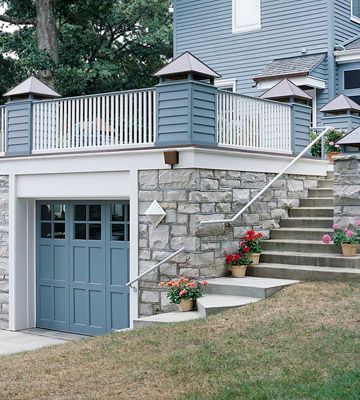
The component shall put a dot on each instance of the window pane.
(46, 212)
(356, 99)
(80, 231)
(128, 232)
(356, 8)
(59, 212)
(95, 212)
(118, 232)
(80, 212)
(46, 230)
(59, 230)
(94, 231)
(118, 212)
(352, 79)
(247, 15)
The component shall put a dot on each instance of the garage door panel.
(46, 308)
(61, 267)
(119, 313)
(60, 304)
(96, 265)
(80, 264)
(119, 273)
(46, 262)
(97, 306)
(80, 307)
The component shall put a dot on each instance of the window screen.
(352, 79)
(246, 15)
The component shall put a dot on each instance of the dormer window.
(355, 10)
(247, 15)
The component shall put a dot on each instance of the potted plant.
(184, 292)
(238, 263)
(332, 149)
(346, 238)
(252, 241)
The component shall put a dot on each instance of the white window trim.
(250, 28)
(353, 17)
(224, 83)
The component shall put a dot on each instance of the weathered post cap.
(286, 89)
(31, 87)
(341, 104)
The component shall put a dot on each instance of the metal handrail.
(130, 283)
(229, 221)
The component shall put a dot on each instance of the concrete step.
(4, 286)
(308, 258)
(299, 233)
(317, 202)
(305, 272)
(327, 212)
(211, 304)
(326, 183)
(4, 317)
(307, 222)
(312, 246)
(165, 318)
(321, 192)
(248, 286)
(330, 175)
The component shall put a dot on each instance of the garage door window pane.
(80, 212)
(94, 231)
(118, 232)
(46, 212)
(118, 212)
(80, 231)
(46, 230)
(95, 212)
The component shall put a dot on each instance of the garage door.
(83, 266)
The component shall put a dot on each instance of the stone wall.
(191, 195)
(347, 190)
(4, 250)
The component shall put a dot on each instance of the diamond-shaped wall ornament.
(155, 213)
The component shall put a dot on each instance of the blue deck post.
(301, 126)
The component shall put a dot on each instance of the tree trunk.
(46, 32)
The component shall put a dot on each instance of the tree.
(88, 46)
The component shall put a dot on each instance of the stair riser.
(206, 312)
(314, 261)
(231, 290)
(325, 202)
(143, 324)
(282, 273)
(300, 235)
(299, 247)
(330, 175)
(298, 212)
(320, 193)
(326, 184)
(306, 223)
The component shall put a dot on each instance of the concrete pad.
(166, 318)
(16, 342)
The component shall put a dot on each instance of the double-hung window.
(246, 15)
(355, 10)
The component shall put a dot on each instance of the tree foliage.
(103, 45)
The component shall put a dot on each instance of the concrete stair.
(296, 251)
(222, 294)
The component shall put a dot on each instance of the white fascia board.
(221, 83)
(347, 56)
(297, 80)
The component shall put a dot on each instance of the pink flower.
(326, 239)
(182, 293)
(331, 143)
(357, 222)
(336, 226)
(346, 229)
(349, 233)
(337, 146)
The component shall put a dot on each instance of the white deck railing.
(3, 122)
(119, 119)
(248, 122)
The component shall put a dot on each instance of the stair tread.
(252, 282)
(223, 301)
(308, 218)
(310, 268)
(312, 208)
(303, 229)
(300, 241)
(175, 316)
(305, 254)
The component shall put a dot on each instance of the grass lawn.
(303, 343)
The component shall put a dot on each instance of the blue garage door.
(83, 266)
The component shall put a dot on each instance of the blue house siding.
(204, 27)
(321, 72)
(344, 27)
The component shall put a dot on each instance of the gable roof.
(285, 88)
(352, 137)
(293, 66)
(186, 63)
(341, 103)
(32, 85)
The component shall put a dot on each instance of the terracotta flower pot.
(238, 271)
(331, 155)
(186, 305)
(255, 259)
(349, 250)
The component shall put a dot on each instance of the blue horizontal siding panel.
(301, 119)
(345, 122)
(19, 125)
(186, 113)
(344, 27)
